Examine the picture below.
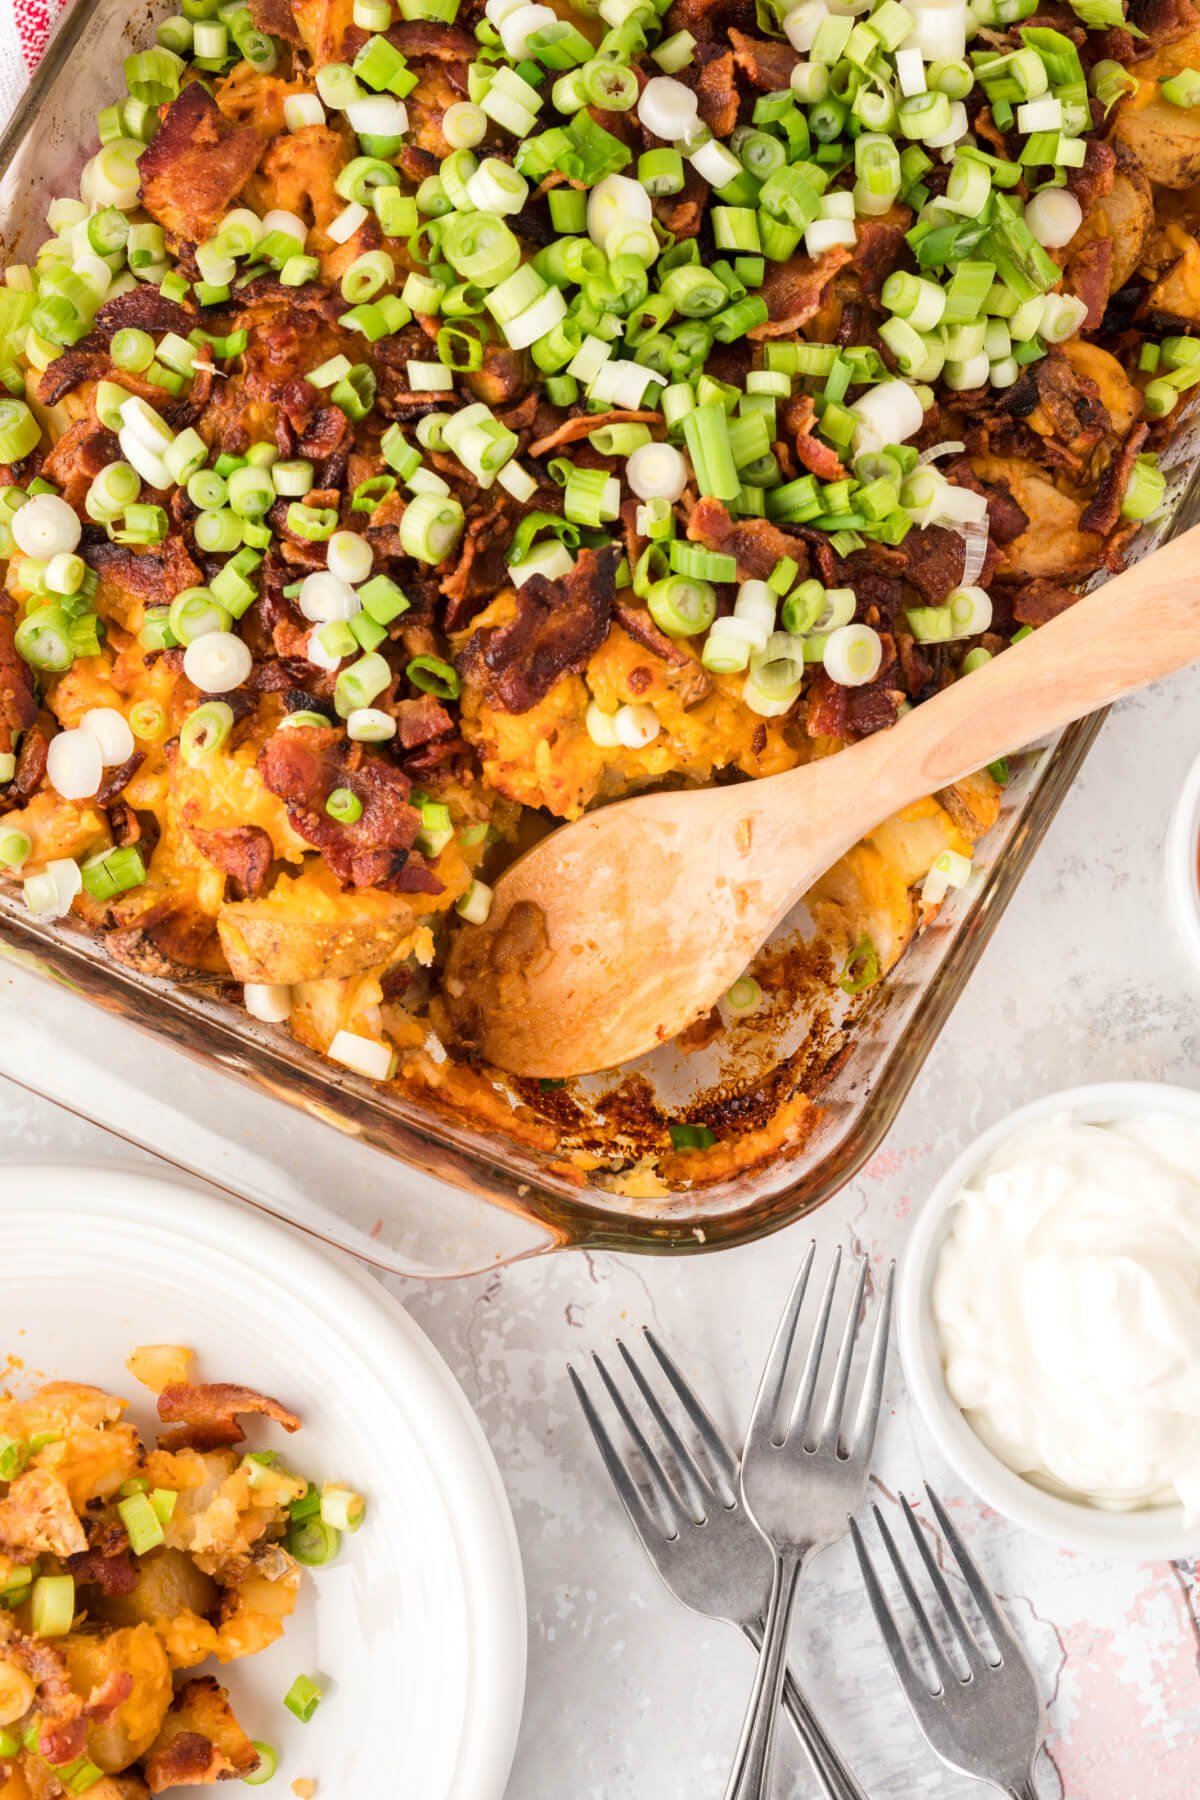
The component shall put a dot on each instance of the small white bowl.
(1182, 851)
(1152, 1534)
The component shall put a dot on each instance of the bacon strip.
(1103, 512)
(571, 430)
(795, 290)
(558, 626)
(210, 1412)
(18, 702)
(305, 764)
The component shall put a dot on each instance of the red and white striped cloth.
(25, 29)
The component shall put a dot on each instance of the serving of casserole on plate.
(427, 422)
(249, 1642)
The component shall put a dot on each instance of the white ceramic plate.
(418, 1628)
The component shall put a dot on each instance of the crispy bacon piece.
(107, 1564)
(1103, 512)
(424, 37)
(108, 1694)
(63, 1740)
(1095, 179)
(305, 764)
(481, 569)
(504, 378)
(558, 625)
(78, 457)
(209, 1412)
(841, 712)
(153, 576)
(1041, 600)
(820, 458)
(31, 764)
(45, 1664)
(933, 562)
(1072, 401)
(755, 544)
(1163, 21)
(243, 852)
(276, 17)
(1088, 277)
(115, 780)
(571, 430)
(879, 248)
(195, 165)
(145, 308)
(200, 1741)
(711, 21)
(1006, 519)
(795, 290)
(420, 721)
(765, 63)
(18, 702)
(711, 79)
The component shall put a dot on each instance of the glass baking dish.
(366, 1167)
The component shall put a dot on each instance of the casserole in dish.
(261, 836)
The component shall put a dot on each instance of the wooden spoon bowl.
(615, 933)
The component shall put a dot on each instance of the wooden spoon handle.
(1141, 625)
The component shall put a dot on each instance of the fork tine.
(976, 1661)
(664, 1493)
(697, 1488)
(770, 1388)
(909, 1678)
(941, 1662)
(721, 1456)
(831, 1428)
(816, 1348)
(642, 1519)
(866, 1423)
(1006, 1638)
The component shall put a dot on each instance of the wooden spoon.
(614, 933)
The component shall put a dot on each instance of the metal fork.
(801, 1496)
(697, 1534)
(990, 1724)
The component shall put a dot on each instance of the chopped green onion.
(141, 1522)
(344, 805)
(303, 1698)
(313, 1543)
(1147, 487)
(268, 1763)
(861, 968)
(433, 676)
(52, 1605)
(431, 527)
(691, 1137)
(204, 731)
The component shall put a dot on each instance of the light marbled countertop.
(631, 1698)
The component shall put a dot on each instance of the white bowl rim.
(1151, 1535)
(1182, 856)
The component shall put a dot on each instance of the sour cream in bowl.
(1049, 1318)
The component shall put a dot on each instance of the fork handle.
(751, 1774)
(836, 1778)
(1025, 1790)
